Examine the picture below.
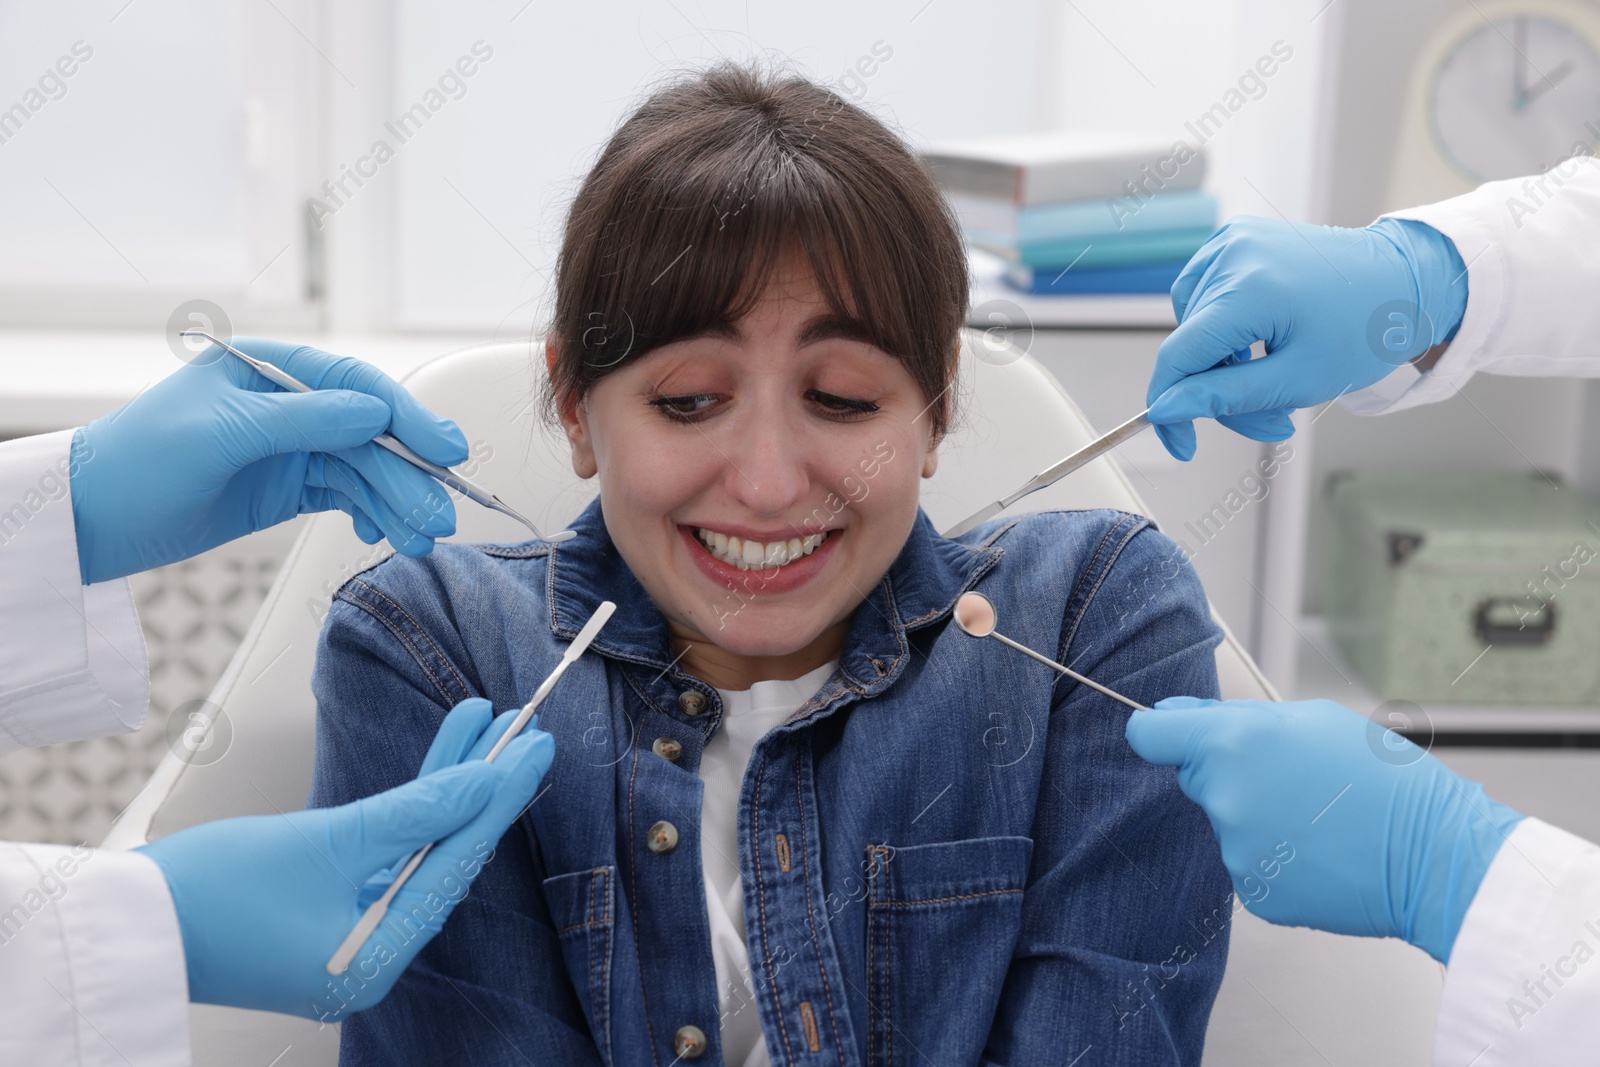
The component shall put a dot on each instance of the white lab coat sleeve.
(92, 970)
(72, 661)
(1523, 985)
(1532, 251)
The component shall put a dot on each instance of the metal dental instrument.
(340, 960)
(976, 617)
(444, 474)
(1054, 473)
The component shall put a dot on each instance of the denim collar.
(920, 588)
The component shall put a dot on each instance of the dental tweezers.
(1056, 471)
(460, 484)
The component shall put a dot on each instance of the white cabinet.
(1258, 541)
(1495, 423)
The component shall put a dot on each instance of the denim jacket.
(949, 854)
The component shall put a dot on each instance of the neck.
(730, 670)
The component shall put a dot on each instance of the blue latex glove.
(263, 901)
(216, 451)
(1338, 309)
(1328, 820)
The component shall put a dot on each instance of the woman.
(795, 815)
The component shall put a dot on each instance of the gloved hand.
(1337, 309)
(215, 451)
(1381, 838)
(263, 901)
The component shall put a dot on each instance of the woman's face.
(760, 481)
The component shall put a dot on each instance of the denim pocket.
(582, 905)
(929, 906)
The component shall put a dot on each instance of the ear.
(574, 421)
(930, 462)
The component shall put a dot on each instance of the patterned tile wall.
(194, 615)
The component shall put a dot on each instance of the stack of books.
(1080, 212)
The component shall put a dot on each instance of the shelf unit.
(1324, 672)
(1262, 571)
(1495, 423)
(1333, 170)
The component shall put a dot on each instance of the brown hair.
(702, 190)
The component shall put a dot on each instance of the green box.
(1428, 569)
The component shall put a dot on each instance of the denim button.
(667, 748)
(689, 1042)
(662, 837)
(692, 702)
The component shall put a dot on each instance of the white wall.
(481, 193)
(1156, 66)
(1140, 64)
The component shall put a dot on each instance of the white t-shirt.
(747, 716)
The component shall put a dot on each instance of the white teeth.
(747, 554)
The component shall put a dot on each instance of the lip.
(761, 581)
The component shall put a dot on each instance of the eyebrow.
(822, 327)
(834, 328)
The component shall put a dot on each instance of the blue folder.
(1007, 228)
(1141, 278)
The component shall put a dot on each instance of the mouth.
(759, 566)
(751, 554)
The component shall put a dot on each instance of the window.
(306, 163)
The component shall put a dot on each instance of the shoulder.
(446, 589)
(452, 623)
(1093, 540)
(1098, 560)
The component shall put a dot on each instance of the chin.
(772, 636)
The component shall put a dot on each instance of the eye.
(682, 408)
(842, 405)
(691, 407)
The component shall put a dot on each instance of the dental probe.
(444, 474)
(340, 960)
(1054, 473)
(976, 616)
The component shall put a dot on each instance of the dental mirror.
(976, 616)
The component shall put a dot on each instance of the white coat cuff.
(91, 960)
(1524, 977)
(1528, 246)
(73, 664)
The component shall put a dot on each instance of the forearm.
(1532, 252)
(1522, 982)
(90, 959)
(83, 672)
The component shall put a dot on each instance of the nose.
(767, 461)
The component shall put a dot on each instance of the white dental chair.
(1290, 997)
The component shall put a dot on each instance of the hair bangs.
(712, 185)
